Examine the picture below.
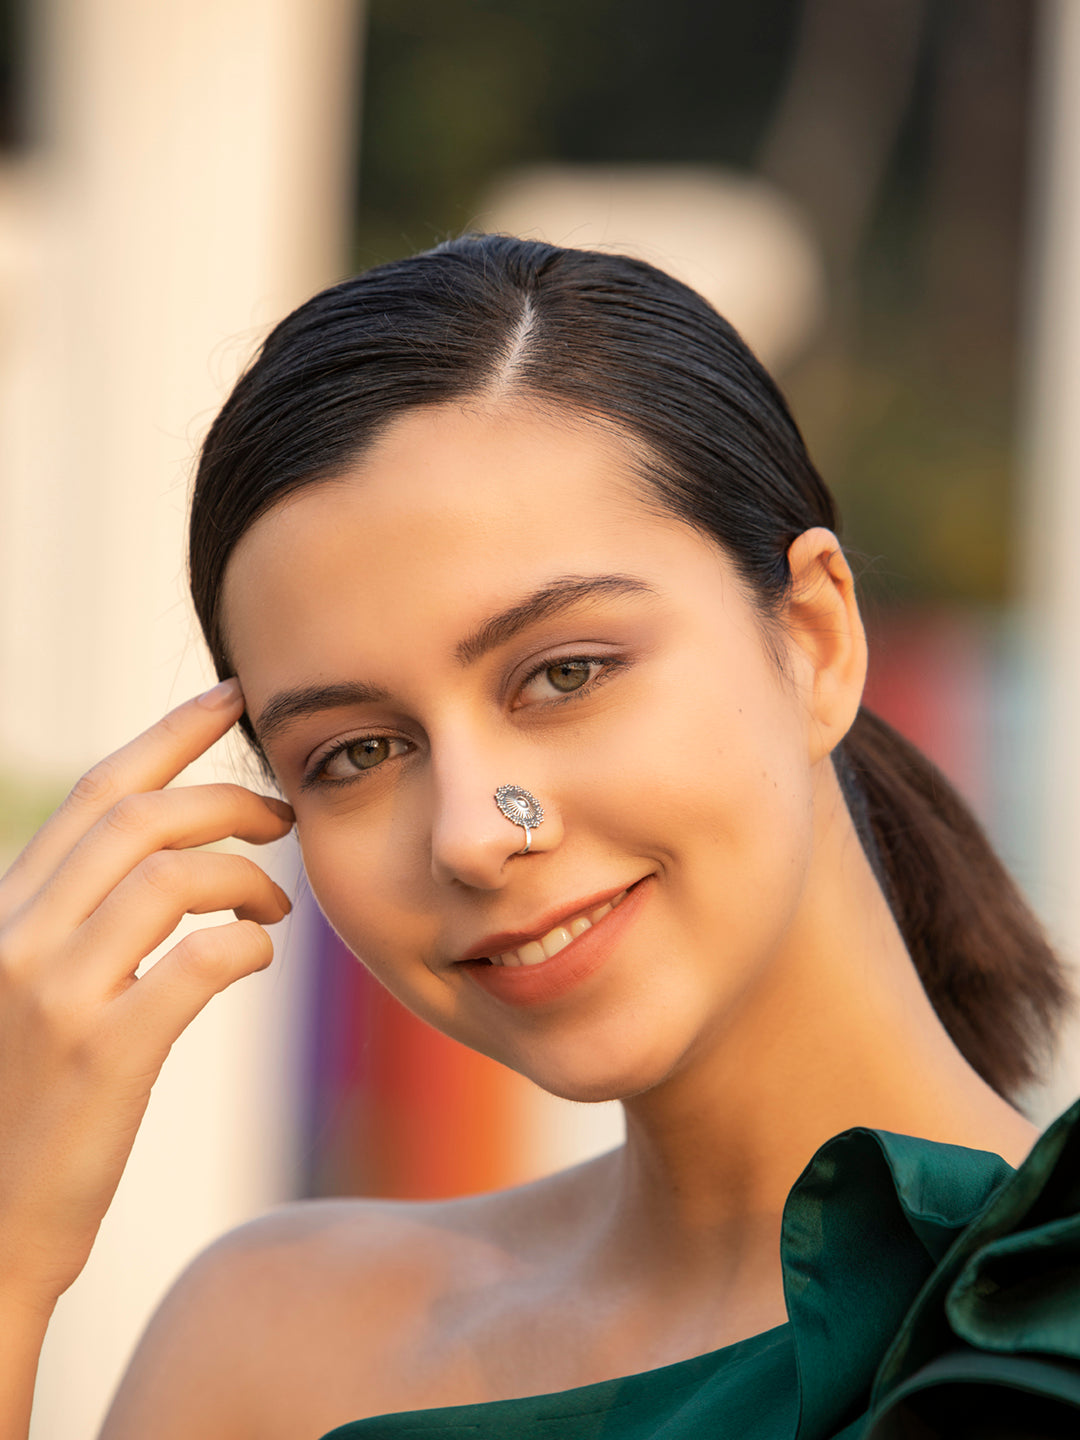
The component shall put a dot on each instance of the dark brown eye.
(569, 675)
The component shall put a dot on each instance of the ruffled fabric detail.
(993, 1341)
(933, 1291)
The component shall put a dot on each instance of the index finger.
(148, 762)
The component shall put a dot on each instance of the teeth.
(534, 951)
(555, 940)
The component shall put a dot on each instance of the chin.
(591, 1090)
(589, 1077)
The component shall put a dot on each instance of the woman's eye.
(561, 678)
(569, 675)
(359, 755)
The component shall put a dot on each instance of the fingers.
(145, 908)
(81, 1038)
(135, 828)
(160, 1006)
(148, 762)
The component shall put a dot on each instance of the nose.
(472, 841)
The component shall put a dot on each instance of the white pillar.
(1051, 520)
(191, 185)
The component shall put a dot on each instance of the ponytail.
(981, 954)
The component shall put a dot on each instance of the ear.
(826, 637)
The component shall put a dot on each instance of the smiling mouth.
(535, 952)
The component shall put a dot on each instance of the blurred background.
(884, 198)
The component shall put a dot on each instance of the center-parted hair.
(614, 339)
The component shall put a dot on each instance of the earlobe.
(825, 627)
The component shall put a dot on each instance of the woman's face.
(486, 599)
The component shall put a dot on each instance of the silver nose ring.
(521, 808)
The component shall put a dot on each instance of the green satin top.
(932, 1291)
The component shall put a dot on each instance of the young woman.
(524, 589)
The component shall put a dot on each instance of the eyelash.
(609, 664)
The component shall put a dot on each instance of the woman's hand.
(82, 1040)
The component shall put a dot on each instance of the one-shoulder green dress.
(932, 1291)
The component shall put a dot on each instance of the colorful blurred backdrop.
(884, 198)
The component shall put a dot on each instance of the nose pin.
(522, 808)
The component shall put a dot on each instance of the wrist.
(24, 1307)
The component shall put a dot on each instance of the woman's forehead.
(454, 512)
(451, 487)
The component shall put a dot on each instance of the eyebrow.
(561, 594)
(552, 599)
(289, 705)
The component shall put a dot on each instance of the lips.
(505, 946)
(548, 945)
(530, 980)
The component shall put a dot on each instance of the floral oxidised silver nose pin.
(521, 808)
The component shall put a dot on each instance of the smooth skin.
(760, 1001)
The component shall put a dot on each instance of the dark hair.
(617, 340)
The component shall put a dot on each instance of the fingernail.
(286, 903)
(280, 807)
(222, 695)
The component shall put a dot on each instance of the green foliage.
(14, 16)
(926, 489)
(458, 91)
(908, 398)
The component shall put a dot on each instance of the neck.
(840, 1033)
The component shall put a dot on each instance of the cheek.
(722, 765)
(365, 893)
(363, 874)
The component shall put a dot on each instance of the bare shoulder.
(325, 1311)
